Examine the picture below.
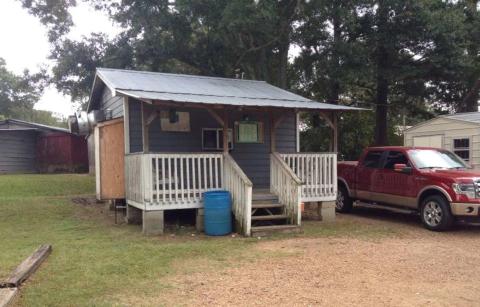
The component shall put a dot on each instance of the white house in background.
(459, 133)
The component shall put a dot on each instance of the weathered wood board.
(7, 295)
(111, 158)
(27, 267)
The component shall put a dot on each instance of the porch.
(169, 181)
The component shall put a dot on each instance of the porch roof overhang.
(233, 101)
(150, 87)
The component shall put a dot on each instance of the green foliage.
(406, 60)
(18, 95)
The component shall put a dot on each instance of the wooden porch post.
(225, 130)
(332, 121)
(335, 132)
(297, 130)
(145, 138)
(272, 132)
(274, 122)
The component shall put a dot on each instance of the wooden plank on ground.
(27, 267)
(7, 295)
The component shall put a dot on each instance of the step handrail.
(240, 187)
(286, 168)
(287, 186)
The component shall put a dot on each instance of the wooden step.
(269, 217)
(263, 197)
(266, 205)
(262, 231)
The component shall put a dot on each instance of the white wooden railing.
(287, 186)
(134, 186)
(240, 188)
(317, 171)
(172, 180)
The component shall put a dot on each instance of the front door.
(366, 174)
(394, 187)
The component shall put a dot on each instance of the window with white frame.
(212, 139)
(461, 147)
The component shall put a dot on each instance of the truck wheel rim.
(432, 214)
(340, 200)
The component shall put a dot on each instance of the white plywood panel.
(428, 141)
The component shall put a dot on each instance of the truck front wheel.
(435, 213)
(344, 203)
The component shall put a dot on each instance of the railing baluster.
(157, 177)
(215, 172)
(182, 191)
(188, 186)
(163, 179)
(205, 182)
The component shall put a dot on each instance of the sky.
(25, 45)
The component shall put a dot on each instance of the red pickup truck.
(436, 182)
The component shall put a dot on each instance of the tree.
(18, 95)
(248, 39)
(407, 60)
(331, 55)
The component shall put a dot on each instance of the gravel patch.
(417, 268)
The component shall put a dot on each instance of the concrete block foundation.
(153, 222)
(319, 211)
(199, 221)
(327, 211)
(134, 215)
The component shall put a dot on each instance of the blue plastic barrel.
(218, 213)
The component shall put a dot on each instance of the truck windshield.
(430, 158)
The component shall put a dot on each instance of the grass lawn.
(94, 261)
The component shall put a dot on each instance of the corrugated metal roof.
(31, 125)
(208, 90)
(473, 117)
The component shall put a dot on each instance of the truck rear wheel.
(344, 203)
(435, 213)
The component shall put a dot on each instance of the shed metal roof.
(29, 125)
(199, 89)
(473, 117)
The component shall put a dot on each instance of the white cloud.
(25, 44)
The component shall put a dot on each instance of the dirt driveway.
(410, 267)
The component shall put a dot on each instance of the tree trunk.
(335, 83)
(381, 113)
(382, 59)
(470, 101)
(282, 71)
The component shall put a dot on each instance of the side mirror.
(402, 168)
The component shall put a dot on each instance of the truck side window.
(395, 157)
(372, 159)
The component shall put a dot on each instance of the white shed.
(459, 133)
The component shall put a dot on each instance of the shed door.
(428, 141)
(110, 169)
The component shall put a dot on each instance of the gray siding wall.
(254, 159)
(113, 103)
(17, 152)
(135, 124)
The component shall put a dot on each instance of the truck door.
(366, 174)
(394, 187)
